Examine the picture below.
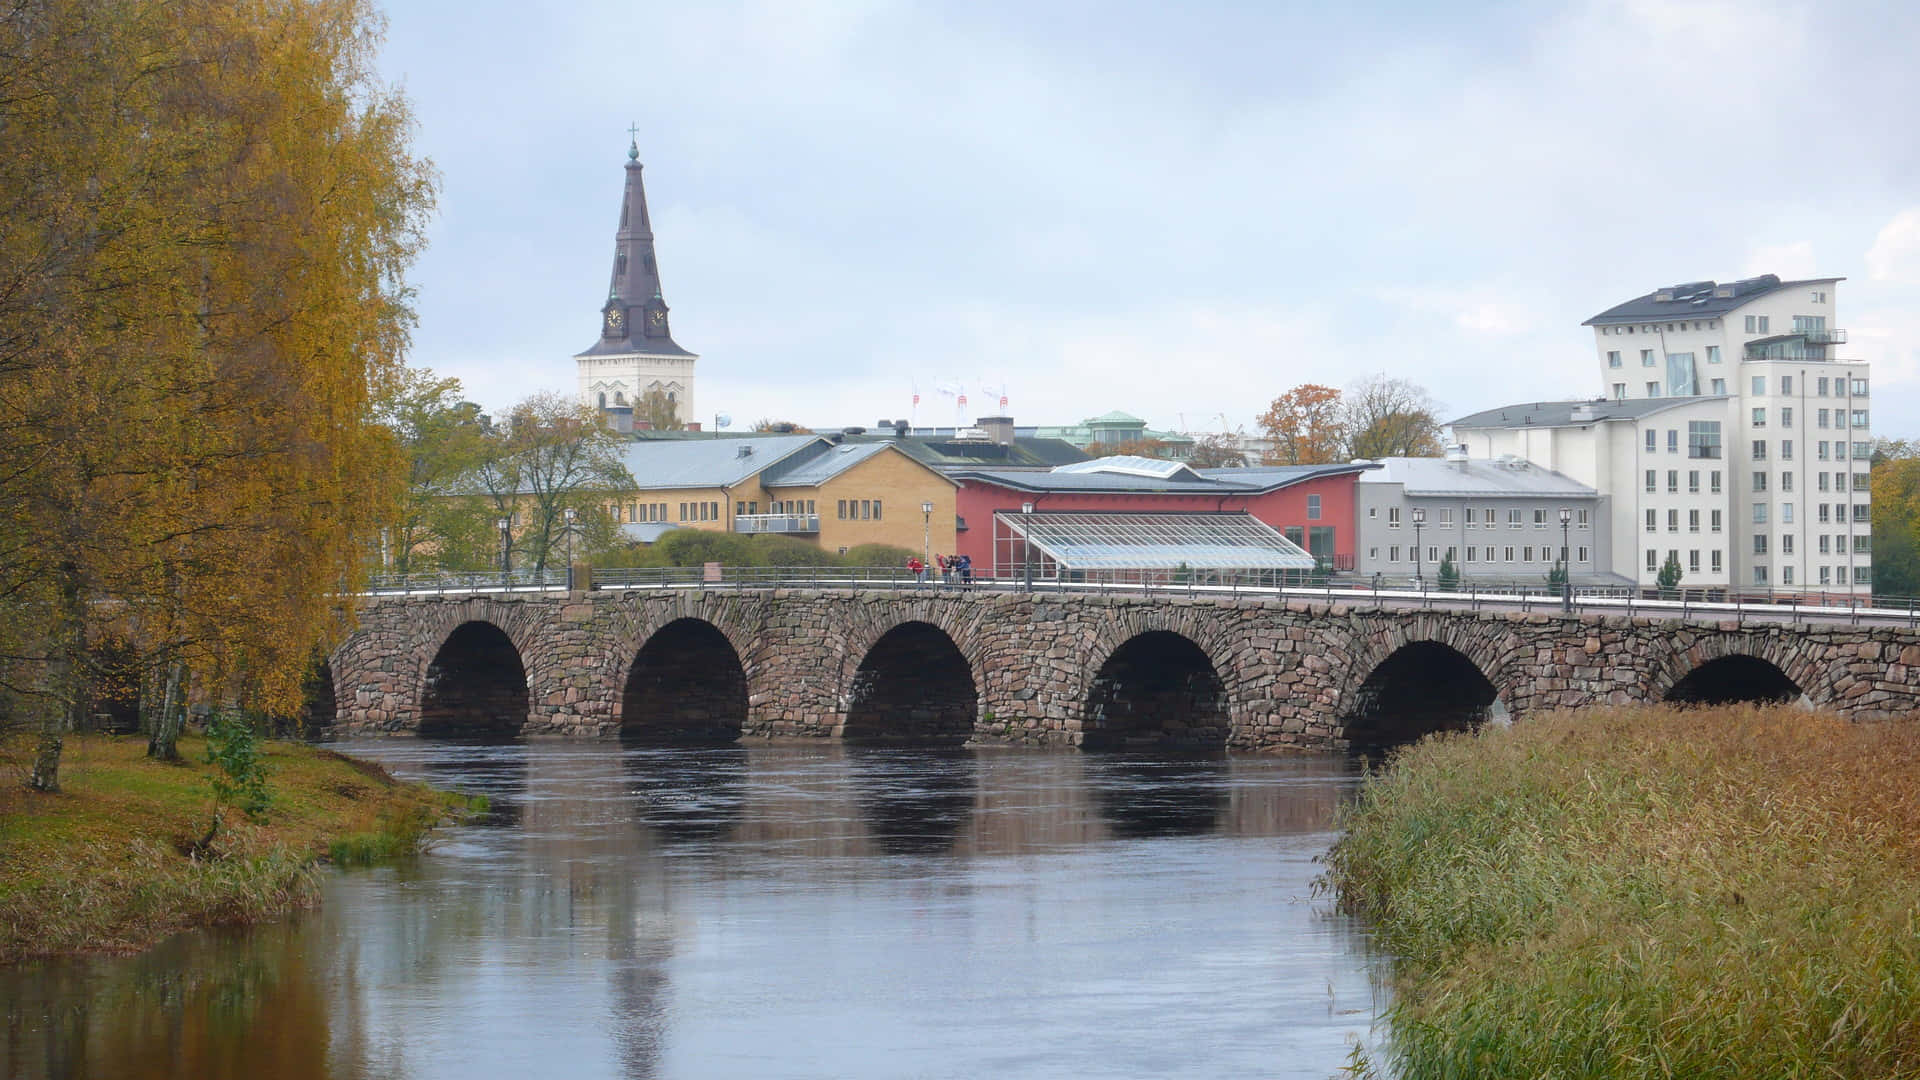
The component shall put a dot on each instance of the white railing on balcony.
(776, 523)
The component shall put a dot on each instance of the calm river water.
(769, 912)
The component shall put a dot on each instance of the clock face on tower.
(614, 319)
(657, 317)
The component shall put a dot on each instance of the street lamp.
(1419, 567)
(1566, 564)
(569, 515)
(1026, 540)
(505, 525)
(926, 536)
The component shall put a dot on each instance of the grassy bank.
(1727, 892)
(106, 864)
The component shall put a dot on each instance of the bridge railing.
(1740, 606)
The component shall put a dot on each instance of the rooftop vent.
(745, 451)
(1584, 411)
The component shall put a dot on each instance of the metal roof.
(815, 467)
(1132, 465)
(1215, 482)
(1697, 300)
(1103, 541)
(1561, 413)
(708, 463)
(1477, 477)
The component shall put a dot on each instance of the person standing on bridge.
(918, 568)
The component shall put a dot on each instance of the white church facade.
(636, 353)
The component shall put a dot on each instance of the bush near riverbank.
(108, 863)
(1716, 892)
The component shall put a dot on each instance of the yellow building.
(837, 495)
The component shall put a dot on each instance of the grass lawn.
(106, 864)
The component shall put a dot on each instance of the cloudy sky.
(1175, 210)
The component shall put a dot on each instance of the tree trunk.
(69, 679)
(164, 745)
(46, 762)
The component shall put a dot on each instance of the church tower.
(635, 353)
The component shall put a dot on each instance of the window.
(740, 508)
(1719, 386)
(1451, 553)
(1821, 448)
(1613, 358)
(1446, 517)
(843, 509)
(1653, 520)
(1859, 418)
(1509, 552)
(1583, 554)
(1393, 517)
(1759, 449)
(1673, 481)
(1759, 481)
(1713, 357)
(1823, 513)
(1472, 552)
(1713, 479)
(1786, 518)
(1526, 553)
(1313, 508)
(1862, 451)
(1859, 388)
(1580, 518)
(1821, 385)
(1786, 417)
(1824, 538)
(1539, 517)
(1673, 440)
(1824, 579)
(1786, 481)
(1822, 477)
(1759, 418)
(1860, 482)
(1619, 391)
(1759, 386)
(1819, 297)
(1693, 521)
(1763, 324)
(1693, 481)
(1760, 575)
(683, 513)
(876, 509)
(1759, 543)
(1653, 561)
(1786, 449)
(1714, 557)
(1653, 389)
(1393, 553)
(1703, 438)
(1713, 519)
(866, 509)
(1759, 513)
(1862, 575)
(1513, 519)
(1673, 521)
(1693, 561)
(1653, 440)
(1786, 390)
(1646, 357)
(1820, 418)
(1653, 481)
(1861, 544)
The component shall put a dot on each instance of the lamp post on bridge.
(926, 535)
(569, 515)
(1026, 540)
(505, 525)
(1566, 563)
(1419, 516)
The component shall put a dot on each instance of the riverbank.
(1723, 892)
(108, 864)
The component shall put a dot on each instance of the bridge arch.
(474, 684)
(686, 684)
(1158, 689)
(913, 684)
(1722, 669)
(1421, 687)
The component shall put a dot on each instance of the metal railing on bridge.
(1740, 606)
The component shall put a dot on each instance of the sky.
(1178, 211)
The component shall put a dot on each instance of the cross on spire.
(633, 146)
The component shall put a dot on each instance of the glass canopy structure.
(1091, 545)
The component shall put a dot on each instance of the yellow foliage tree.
(205, 211)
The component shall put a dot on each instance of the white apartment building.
(1730, 434)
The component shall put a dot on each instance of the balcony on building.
(776, 523)
(1803, 344)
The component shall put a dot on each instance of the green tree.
(441, 437)
(1669, 576)
(552, 454)
(660, 413)
(1896, 518)
(1390, 418)
(1557, 576)
(1449, 574)
(205, 212)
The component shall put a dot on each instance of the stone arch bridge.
(1096, 672)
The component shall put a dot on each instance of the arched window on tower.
(619, 397)
(620, 265)
(603, 399)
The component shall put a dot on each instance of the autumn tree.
(550, 455)
(1896, 518)
(205, 212)
(1390, 418)
(1146, 448)
(660, 412)
(1306, 427)
(767, 426)
(1217, 451)
(441, 438)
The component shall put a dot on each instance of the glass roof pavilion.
(1093, 541)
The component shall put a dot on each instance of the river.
(772, 911)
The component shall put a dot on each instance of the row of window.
(1673, 521)
(1488, 516)
(859, 509)
(1830, 544)
(1693, 560)
(1475, 553)
(1829, 575)
(796, 507)
(1857, 418)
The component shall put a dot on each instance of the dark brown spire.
(634, 317)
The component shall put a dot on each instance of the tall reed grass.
(1721, 892)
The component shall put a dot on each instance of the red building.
(1312, 505)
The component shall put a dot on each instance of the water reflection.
(1161, 796)
(914, 801)
(811, 911)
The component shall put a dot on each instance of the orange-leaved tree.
(1306, 426)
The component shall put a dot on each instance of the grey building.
(1499, 521)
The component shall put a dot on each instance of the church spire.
(634, 317)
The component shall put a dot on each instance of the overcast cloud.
(1176, 212)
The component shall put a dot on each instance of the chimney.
(1457, 456)
(998, 428)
